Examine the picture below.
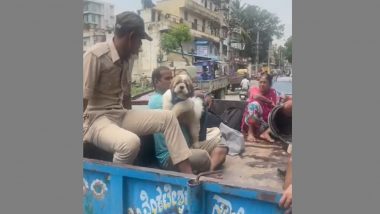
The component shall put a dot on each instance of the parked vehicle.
(234, 81)
(283, 85)
(243, 95)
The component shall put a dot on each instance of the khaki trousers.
(117, 131)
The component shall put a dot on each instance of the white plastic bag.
(233, 139)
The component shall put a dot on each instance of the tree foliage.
(175, 38)
(247, 20)
(288, 49)
(269, 26)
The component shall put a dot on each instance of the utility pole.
(279, 63)
(221, 16)
(269, 46)
(257, 50)
(229, 33)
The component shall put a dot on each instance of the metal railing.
(201, 10)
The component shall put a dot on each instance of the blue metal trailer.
(111, 188)
(250, 185)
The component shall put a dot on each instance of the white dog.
(188, 109)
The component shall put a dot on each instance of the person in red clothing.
(261, 101)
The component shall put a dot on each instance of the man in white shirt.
(244, 84)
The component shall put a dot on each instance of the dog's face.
(182, 86)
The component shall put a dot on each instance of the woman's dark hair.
(156, 74)
(268, 77)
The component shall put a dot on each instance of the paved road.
(235, 95)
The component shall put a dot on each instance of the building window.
(159, 16)
(93, 19)
(204, 26)
(195, 24)
(205, 3)
(186, 15)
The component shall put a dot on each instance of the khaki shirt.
(106, 78)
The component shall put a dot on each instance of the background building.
(98, 21)
(204, 21)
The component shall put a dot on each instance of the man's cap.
(131, 21)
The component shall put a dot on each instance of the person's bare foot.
(265, 136)
(251, 138)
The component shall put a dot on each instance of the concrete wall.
(170, 6)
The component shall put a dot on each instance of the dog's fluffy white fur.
(188, 109)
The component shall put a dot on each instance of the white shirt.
(244, 83)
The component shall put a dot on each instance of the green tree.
(175, 38)
(279, 55)
(269, 26)
(288, 49)
(234, 21)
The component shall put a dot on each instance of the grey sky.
(282, 8)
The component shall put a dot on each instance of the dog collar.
(176, 99)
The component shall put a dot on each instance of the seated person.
(261, 101)
(209, 156)
(287, 196)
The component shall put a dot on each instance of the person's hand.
(287, 198)
(271, 104)
(288, 107)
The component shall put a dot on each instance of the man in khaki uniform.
(107, 69)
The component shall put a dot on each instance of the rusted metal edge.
(140, 168)
(142, 94)
(140, 102)
(236, 185)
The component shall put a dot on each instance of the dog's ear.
(173, 82)
(190, 86)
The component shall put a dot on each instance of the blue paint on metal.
(132, 190)
(195, 197)
(237, 191)
(118, 187)
(97, 193)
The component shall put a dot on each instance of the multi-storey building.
(204, 20)
(98, 19)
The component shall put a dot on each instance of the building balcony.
(200, 34)
(96, 12)
(199, 9)
(169, 21)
